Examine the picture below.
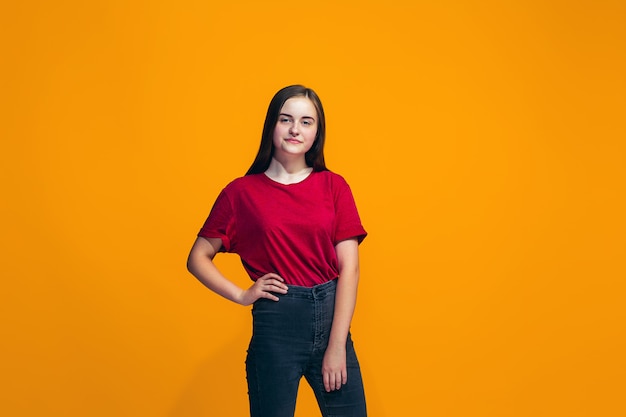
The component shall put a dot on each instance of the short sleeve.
(347, 221)
(220, 223)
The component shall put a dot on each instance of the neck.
(288, 172)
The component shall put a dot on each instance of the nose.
(294, 129)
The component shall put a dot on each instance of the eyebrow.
(288, 115)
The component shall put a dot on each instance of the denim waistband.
(318, 291)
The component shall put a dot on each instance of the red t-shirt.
(290, 230)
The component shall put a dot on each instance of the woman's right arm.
(200, 264)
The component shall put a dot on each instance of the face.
(296, 127)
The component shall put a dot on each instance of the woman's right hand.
(263, 287)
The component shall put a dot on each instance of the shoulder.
(333, 181)
(242, 183)
(332, 178)
(239, 188)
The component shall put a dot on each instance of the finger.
(273, 286)
(326, 378)
(271, 275)
(338, 381)
(280, 284)
(344, 377)
(269, 296)
(275, 280)
(274, 283)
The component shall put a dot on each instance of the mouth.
(292, 140)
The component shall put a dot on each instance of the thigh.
(272, 385)
(277, 356)
(349, 401)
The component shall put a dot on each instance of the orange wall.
(484, 142)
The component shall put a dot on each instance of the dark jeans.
(288, 341)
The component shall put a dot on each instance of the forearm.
(200, 264)
(345, 302)
(345, 297)
(203, 268)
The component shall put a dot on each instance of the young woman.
(296, 228)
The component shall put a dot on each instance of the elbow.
(202, 252)
(351, 273)
(191, 263)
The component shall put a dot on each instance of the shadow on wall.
(218, 387)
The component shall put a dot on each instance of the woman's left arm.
(334, 371)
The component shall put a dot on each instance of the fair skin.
(294, 135)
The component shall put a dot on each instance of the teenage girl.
(296, 228)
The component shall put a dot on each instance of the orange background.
(483, 140)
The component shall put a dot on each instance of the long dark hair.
(315, 156)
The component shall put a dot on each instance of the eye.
(284, 120)
(307, 122)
